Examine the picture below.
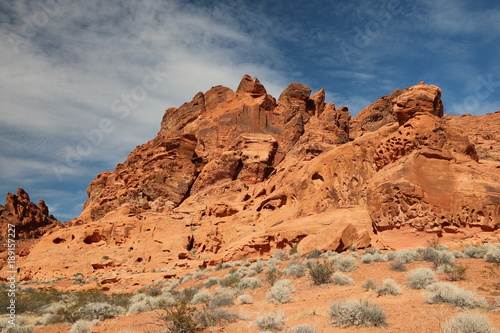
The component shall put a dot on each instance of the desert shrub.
(372, 250)
(245, 299)
(30, 300)
(100, 311)
(257, 266)
(356, 313)
(420, 278)
(49, 319)
(320, 272)
(242, 272)
(280, 292)
(83, 326)
(445, 292)
(212, 317)
(468, 323)
(389, 287)
(492, 255)
(202, 296)
(21, 326)
(369, 285)
(230, 280)
(222, 298)
(345, 263)
(314, 254)
(455, 272)
(211, 282)
(303, 329)
(138, 307)
(249, 283)
(459, 254)
(280, 254)
(404, 256)
(341, 279)
(379, 257)
(166, 299)
(474, 252)
(294, 269)
(367, 258)
(439, 258)
(273, 274)
(397, 266)
(179, 318)
(270, 321)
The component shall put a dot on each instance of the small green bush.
(314, 254)
(273, 274)
(179, 318)
(230, 280)
(455, 272)
(468, 323)
(356, 313)
(320, 272)
(420, 278)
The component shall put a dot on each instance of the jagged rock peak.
(251, 86)
(31, 220)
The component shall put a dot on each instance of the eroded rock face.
(31, 221)
(234, 175)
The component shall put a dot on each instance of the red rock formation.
(31, 221)
(238, 174)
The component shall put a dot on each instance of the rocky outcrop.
(237, 174)
(30, 220)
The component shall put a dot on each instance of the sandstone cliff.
(236, 174)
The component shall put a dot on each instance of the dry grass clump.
(270, 321)
(280, 292)
(420, 278)
(468, 323)
(83, 326)
(341, 279)
(356, 313)
(446, 292)
(389, 287)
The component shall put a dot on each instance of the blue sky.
(84, 82)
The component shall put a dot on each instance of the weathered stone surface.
(30, 220)
(421, 98)
(234, 175)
